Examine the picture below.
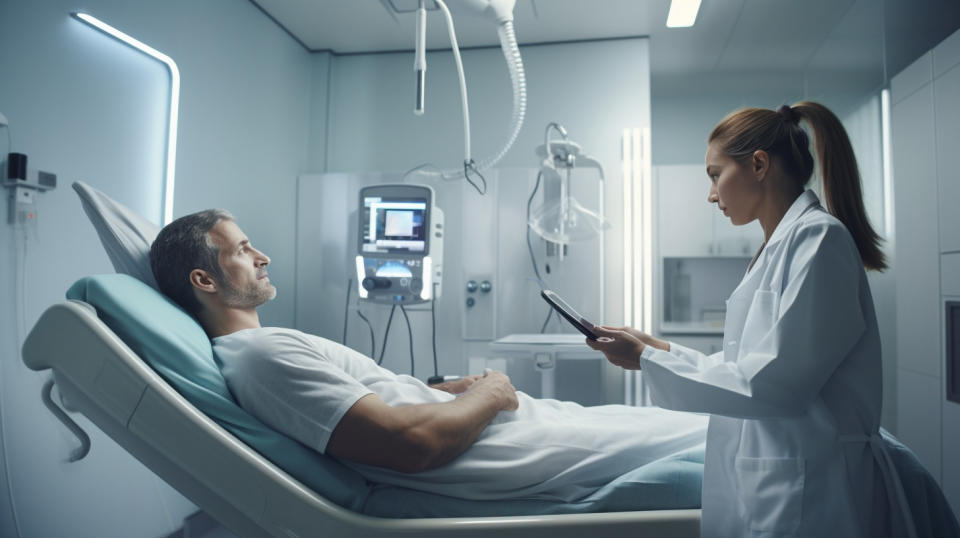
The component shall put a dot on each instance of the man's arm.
(417, 438)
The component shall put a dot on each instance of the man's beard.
(252, 296)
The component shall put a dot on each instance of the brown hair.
(182, 246)
(779, 133)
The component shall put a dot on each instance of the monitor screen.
(394, 225)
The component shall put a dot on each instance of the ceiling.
(872, 39)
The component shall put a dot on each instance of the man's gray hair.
(182, 246)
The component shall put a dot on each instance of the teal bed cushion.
(175, 346)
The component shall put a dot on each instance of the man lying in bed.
(477, 438)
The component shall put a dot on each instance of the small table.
(545, 349)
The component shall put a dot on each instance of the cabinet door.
(917, 247)
(684, 223)
(947, 102)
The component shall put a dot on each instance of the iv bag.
(561, 222)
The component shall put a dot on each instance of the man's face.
(246, 284)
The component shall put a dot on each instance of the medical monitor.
(394, 225)
(400, 244)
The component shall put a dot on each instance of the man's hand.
(498, 386)
(457, 386)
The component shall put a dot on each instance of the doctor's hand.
(619, 346)
(642, 336)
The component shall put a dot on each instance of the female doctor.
(793, 446)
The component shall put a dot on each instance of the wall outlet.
(23, 209)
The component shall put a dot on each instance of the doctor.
(793, 447)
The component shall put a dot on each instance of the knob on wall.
(479, 308)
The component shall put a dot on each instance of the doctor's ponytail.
(779, 133)
(841, 180)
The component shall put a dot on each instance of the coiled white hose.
(511, 52)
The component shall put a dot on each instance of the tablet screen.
(571, 315)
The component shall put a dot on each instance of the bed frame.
(98, 375)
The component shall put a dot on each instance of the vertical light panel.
(887, 165)
(637, 242)
(637, 247)
(626, 150)
(626, 161)
(174, 112)
(646, 246)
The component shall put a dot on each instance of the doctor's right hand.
(642, 336)
(620, 347)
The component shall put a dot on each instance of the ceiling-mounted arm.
(502, 12)
(420, 58)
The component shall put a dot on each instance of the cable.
(386, 333)
(471, 166)
(373, 341)
(464, 104)
(346, 310)
(410, 335)
(511, 53)
(533, 259)
(433, 328)
(16, 344)
(546, 321)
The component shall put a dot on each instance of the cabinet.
(925, 128)
(700, 256)
(946, 89)
(947, 110)
(916, 257)
(687, 225)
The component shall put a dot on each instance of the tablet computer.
(569, 313)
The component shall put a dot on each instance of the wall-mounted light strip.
(168, 181)
(631, 379)
(626, 151)
(646, 245)
(888, 216)
(683, 13)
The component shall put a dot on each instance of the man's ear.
(202, 281)
(760, 164)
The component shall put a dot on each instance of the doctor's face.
(733, 186)
(244, 268)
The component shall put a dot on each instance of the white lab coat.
(795, 395)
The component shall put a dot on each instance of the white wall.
(85, 107)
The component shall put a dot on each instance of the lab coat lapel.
(805, 201)
(759, 278)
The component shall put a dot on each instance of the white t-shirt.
(302, 385)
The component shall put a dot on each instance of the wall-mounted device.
(400, 244)
(23, 187)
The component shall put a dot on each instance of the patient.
(476, 438)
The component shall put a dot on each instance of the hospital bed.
(98, 374)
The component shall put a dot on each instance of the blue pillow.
(177, 348)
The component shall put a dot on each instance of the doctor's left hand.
(619, 347)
